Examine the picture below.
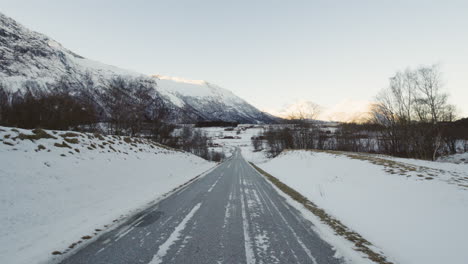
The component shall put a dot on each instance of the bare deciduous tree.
(413, 101)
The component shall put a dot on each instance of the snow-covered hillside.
(209, 101)
(415, 211)
(27, 56)
(59, 189)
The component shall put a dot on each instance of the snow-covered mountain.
(208, 100)
(29, 57)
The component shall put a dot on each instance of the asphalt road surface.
(231, 215)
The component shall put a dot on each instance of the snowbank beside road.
(57, 187)
(415, 211)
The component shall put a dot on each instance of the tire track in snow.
(272, 216)
(249, 253)
(174, 237)
(299, 240)
(257, 212)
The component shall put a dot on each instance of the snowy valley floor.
(414, 211)
(59, 188)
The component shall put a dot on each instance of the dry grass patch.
(99, 136)
(37, 134)
(69, 134)
(8, 143)
(72, 140)
(62, 145)
(390, 166)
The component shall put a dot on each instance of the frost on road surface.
(176, 235)
(230, 215)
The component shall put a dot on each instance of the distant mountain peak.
(344, 111)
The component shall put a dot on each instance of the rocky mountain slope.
(30, 59)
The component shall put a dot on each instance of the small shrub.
(127, 140)
(40, 147)
(86, 237)
(77, 150)
(63, 155)
(15, 130)
(56, 253)
(7, 136)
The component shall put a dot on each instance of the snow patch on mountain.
(209, 101)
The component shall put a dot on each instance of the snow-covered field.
(414, 211)
(241, 138)
(54, 191)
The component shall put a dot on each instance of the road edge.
(360, 243)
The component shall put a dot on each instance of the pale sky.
(270, 53)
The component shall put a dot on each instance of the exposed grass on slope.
(37, 134)
(81, 142)
(403, 169)
(360, 243)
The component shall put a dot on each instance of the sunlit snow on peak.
(346, 110)
(180, 80)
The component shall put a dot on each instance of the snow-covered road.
(231, 215)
